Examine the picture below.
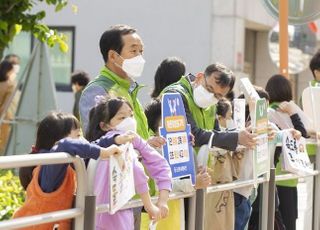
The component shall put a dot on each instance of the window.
(21, 46)
(62, 64)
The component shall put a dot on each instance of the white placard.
(295, 157)
(247, 88)
(121, 178)
(239, 113)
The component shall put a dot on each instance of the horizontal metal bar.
(290, 176)
(17, 161)
(235, 184)
(138, 203)
(41, 219)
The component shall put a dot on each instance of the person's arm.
(52, 176)
(156, 165)
(298, 125)
(106, 140)
(224, 140)
(87, 102)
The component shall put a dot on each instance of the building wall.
(198, 33)
(168, 28)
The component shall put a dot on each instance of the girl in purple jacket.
(113, 118)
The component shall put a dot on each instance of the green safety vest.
(118, 87)
(204, 118)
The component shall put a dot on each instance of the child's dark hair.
(104, 111)
(53, 128)
(223, 107)
(153, 113)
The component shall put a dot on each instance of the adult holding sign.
(285, 114)
(199, 94)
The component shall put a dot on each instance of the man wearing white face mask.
(121, 48)
(200, 93)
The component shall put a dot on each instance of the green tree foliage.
(16, 16)
(11, 194)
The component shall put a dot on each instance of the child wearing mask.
(48, 184)
(113, 118)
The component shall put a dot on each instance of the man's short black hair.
(225, 77)
(80, 77)
(112, 39)
(153, 113)
(315, 63)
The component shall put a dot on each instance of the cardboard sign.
(311, 106)
(178, 148)
(260, 123)
(295, 157)
(121, 178)
(239, 113)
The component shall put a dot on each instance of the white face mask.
(128, 124)
(16, 68)
(203, 98)
(133, 66)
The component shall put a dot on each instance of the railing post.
(81, 191)
(90, 198)
(264, 205)
(200, 208)
(192, 212)
(90, 212)
(271, 205)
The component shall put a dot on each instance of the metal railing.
(17, 161)
(85, 209)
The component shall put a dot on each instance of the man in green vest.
(121, 48)
(200, 93)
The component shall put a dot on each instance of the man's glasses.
(210, 89)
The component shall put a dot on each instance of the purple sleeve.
(52, 176)
(140, 178)
(155, 164)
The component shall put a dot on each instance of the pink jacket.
(156, 166)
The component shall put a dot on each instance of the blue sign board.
(178, 148)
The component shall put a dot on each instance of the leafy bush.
(11, 194)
